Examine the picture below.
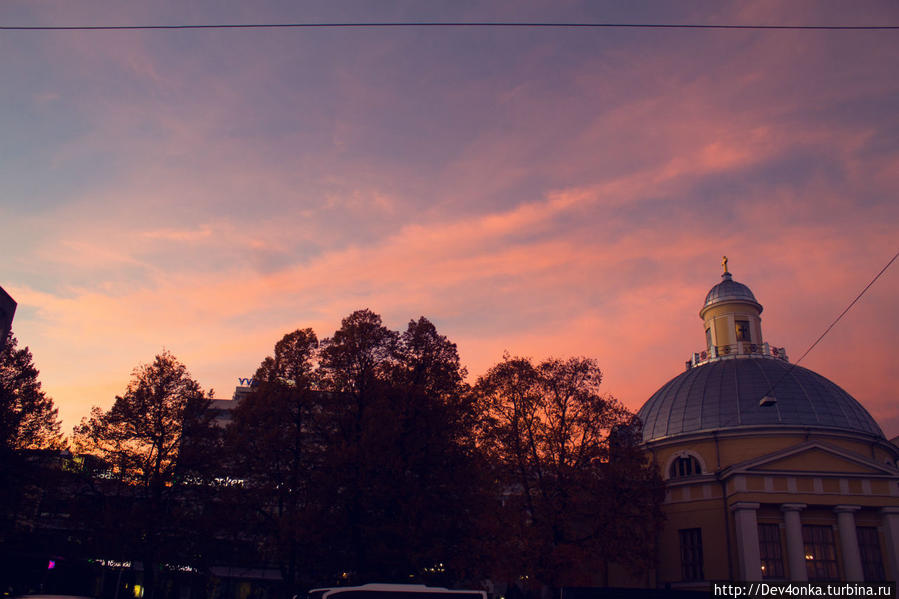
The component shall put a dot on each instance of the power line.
(838, 318)
(561, 25)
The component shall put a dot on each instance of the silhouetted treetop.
(294, 359)
(428, 360)
(156, 436)
(358, 354)
(142, 432)
(569, 501)
(28, 418)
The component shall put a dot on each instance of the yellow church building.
(772, 471)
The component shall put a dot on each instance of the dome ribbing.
(725, 394)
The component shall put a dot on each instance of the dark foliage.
(570, 503)
(407, 472)
(366, 457)
(276, 450)
(28, 419)
(162, 417)
(356, 456)
(28, 422)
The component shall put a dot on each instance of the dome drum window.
(684, 464)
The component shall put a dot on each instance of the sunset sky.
(541, 191)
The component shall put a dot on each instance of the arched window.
(683, 466)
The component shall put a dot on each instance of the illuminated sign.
(250, 382)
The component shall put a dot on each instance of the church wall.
(734, 451)
(860, 447)
(720, 553)
(820, 480)
(707, 515)
(731, 450)
(817, 461)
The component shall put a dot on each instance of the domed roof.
(729, 290)
(725, 394)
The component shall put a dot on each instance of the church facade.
(773, 472)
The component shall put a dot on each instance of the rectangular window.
(771, 551)
(691, 554)
(743, 330)
(869, 547)
(708, 338)
(820, 553)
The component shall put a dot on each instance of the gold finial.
(724, 263)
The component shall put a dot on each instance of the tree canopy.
(28, 421)
(143, 432)
(356, 453)
(145, 437)
(545, 429)
(366, 456)
(375, 459)
(28, 418)
(275, 445)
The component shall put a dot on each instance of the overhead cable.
(558, 25)
(838, 318)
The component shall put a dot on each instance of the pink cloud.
(642, 330)
(179, 234)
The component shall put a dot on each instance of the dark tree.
(355, 364)
(357, 458)
(429, 361)
(142, 433)
(28, 421)
(276, 444)
(142, 437)
(356, 359)
(423, 482)
(569, 503)
(399, 471)
(28, 418)
(292, 363)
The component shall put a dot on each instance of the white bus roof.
(392, 588)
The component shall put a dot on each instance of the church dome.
(725, 394)
(739, 380)
(729, 290)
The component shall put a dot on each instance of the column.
(795, 545)
(891, 528)
(852, 557)
(747, 540)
